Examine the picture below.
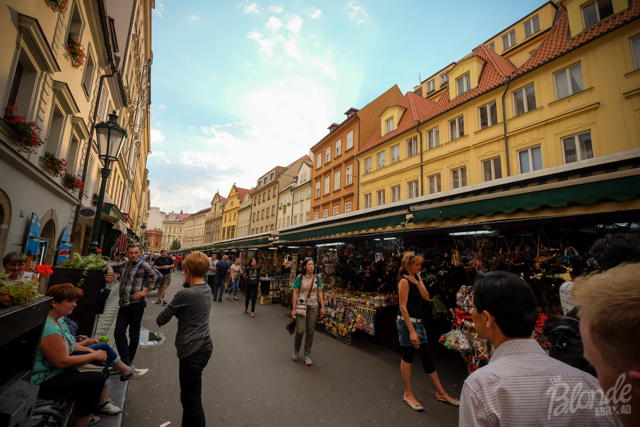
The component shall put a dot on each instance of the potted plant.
(20, 292)
(75, 49)
(72, 182)
(59, 6)
(54, 165)
(85, 273)
(28, 133)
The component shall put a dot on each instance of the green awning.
(112, 210)
(259, 241)
(619, 189)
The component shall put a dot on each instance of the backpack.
(566, 343)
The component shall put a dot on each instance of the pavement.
(251, 379)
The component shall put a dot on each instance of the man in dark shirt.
(163, 264)
(220, 278)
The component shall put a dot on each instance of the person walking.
(191, 306)
(307, 293)
(412, 334)
(135, 276)
(164, 264)
(234, 280)
(220, 278)
(211, 272)
(252, 275)
(179, 262)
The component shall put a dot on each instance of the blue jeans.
(112, 358)
(218, 287)
(233, 286)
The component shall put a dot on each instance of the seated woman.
(13, 264)
(55, 359)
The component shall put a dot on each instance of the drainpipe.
(358, 160)
(421, 162)
(504, 123)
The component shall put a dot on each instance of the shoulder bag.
(301, 306)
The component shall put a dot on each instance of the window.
(298, 198)
(261, 230)
(367, 200)
(488, 115)
(458, 177)
(531, 26)
(350, 139)
(434, 183)
(269, 195)
(325, 213)
(273, 210)
(433, 137)
(307, 216)
(349, 175)
(412, 147)
(380, 197)
(395, 193)
(443, 79)
(509, 40)
(492, 46)
(464, 83)
(347, 207)
(267, 213)
(336, 181)
(596, 11)
(635, 51)
(530, 159)
(262, 215)
(389, 125)
(431, 86)
(272, 176)
(103, 101)
(309, 193)
(381, 158)
(492, 169)
(271, 227)
(577, 147)
(326, 185)
(568, 81)
(336, 210)
(315, 215)
(412, 189)
(367, 165)
(89, 71)
(338, 147)
(318, 163)
(524, 100)
(327, 155)
(317, 189)
(456, 128)
(395, 154)
(295, 219)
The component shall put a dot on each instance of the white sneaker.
(135, 374)
(109, 408)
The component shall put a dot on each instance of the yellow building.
(230, 213)
(546, 104)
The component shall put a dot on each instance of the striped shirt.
(134, 278)
(522, 386)
(191, 306)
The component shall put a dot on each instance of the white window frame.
(325, 213)
(466, 84)
(381, 155)
(532, 24)
(635, 40)
(396, 193)
(492, 46)
(368, 165)
(413, 189)
(459, 170)
(493, 169)
(336, 210)
(327, 185)
(599, 18)
(433, 137)
(318, 162)
(458, 134)
(367, 200)
(327, 155)
(338, 147)
(567, 75)
(444, 79)
(488, 109)
(347, 207)
(530, 152)
(336, 181)
(318, 190)
(412, 147)
(308, 193)
(524, 99)
(388, 125)
(434, 182)
(349, 175)
(396, 158)
(508, 39)
(431, 85)
(380, 197)
(295, 219)
(577, 144)
(307, 216)
(349, 140)
(316, 215)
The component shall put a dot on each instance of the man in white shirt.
(212, 270)
(521, 385)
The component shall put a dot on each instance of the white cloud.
(192, 17)
(265, 43)
(291, 47)
(156, 136)
(159, 125)
(249, 7)
(274, 23)
(159, 10)
(161, 107)
(295, 23)
(314, 13)
(276, 9)
(330, 71)
(160, 158)
(357, 13)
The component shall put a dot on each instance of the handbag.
(301, 306)
(93, 366)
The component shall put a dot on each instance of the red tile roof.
(303, 158)
(242, 192)
(223, 201)
(416, 108)
(182, 217)
(559, 40)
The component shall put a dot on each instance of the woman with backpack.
(252, 274)
(307, 293)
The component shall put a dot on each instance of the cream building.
(244, 216)
(301, 205)
(213, 223)
(156, 216)
(193, 231)
(172, 229)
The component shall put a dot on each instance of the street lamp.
(144, 236)
(110, 137)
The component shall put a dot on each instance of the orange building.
(153, 240)
(335, 169)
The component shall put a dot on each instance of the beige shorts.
(166, 279)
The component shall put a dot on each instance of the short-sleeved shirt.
(161, 262)
(235, 271)
(304, 286)
(43, 369)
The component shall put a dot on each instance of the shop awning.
(239, 243)
(113, 213)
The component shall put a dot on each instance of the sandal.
(236, 298)
(454, 402)
(417, 407)
(93, 420)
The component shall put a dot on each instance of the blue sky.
(241, 87)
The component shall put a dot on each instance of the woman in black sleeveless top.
(411, 332)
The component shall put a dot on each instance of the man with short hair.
(521, 385)
(136, 280)
(220, 278)
(211, 273)
(609, 309)
(164, 264)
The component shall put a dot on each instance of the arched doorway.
(49, 233)
(5, 220)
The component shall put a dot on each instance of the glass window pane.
(562, 87)
(577, 83)
(528, 28)
(586, 149)
(505, 42)
(635, 47)
(570, 154)
(455, 180)
(497, 166)
(493, 112)
(536, 154)
(436, 133)
(467, 81)
(460, 86)
(463, 176)
(454, 132)
(461, 125)
(484, 120)
(486, 169)
(605, 7)
(531, 97)
(524, 161)
(518, 102)
(590, 15)
(438, 182)
(536, 24)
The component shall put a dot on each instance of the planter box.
(20, 333)
(87, 311)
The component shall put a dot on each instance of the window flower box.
(28, 139)
(59, 6)
(72, 182)
(53, 165)
(75, 49)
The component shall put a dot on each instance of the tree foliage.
(175, 245)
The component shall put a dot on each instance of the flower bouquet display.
(28, 133)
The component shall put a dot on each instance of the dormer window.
(531, 26)
(492, 46)
(596, 11)
(509, 39)
(444, 79)
(464, 83)
(389, 125)
(431, 86)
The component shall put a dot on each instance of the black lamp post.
(110, 137)
(145, 242)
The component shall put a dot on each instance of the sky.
(241, 87)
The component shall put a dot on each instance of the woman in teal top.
(54, 359)
(308, 286)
